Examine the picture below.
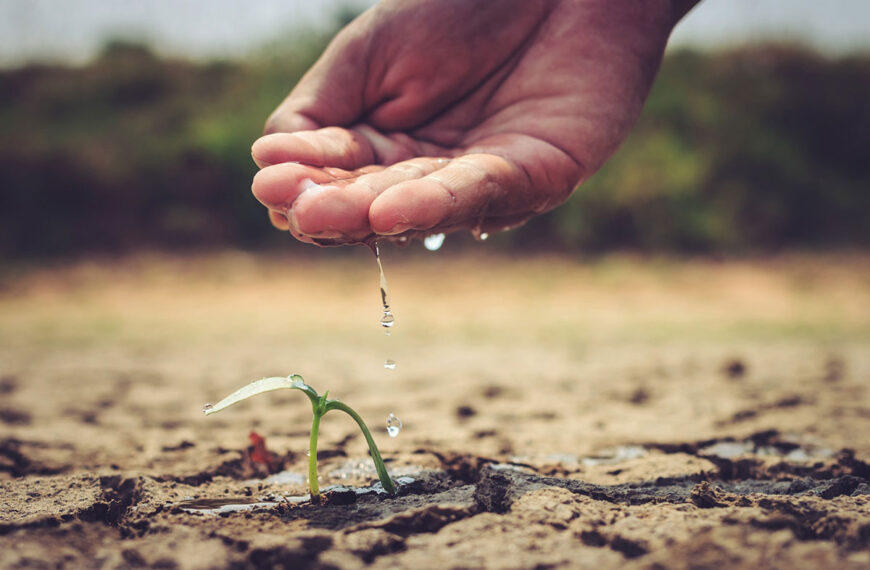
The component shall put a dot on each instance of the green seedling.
(320, 405)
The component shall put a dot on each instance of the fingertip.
(331, 211)
(329, 146)
(279, 148)
(417, 204)
(276, 187)
(279, 185)
(257, 151)
(279, 220)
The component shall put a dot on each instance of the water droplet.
(394, 425)
(433, 242)
(390, 364)
(387, 332)
(478, 233)
(387, 320)
(308, 453)
(207, 408)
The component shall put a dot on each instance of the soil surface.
(618, 413)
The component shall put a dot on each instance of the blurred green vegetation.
(754, 149)
(759, 148)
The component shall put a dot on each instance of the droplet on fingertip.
(433, 242)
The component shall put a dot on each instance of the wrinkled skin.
(425, 116)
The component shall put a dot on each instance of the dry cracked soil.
(618, 413)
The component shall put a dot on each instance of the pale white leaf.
(258, 387)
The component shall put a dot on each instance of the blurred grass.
(755, 149)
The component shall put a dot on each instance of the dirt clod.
(465, 412)
(340, 496)
(706, 496)
(593, 538)
(14, 417)
(118, 495)
(493, 492)
(8, 384)
(639, 396)
(734, 368)
(630, 548)
(841, 486)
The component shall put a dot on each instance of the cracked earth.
(528, 440)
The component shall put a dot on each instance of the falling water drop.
(387, 320)
(394, 425)
(207, 408)
(433, 242)
(390, 364)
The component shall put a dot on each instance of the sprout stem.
(313, 485)
(386, 482)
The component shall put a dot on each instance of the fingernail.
(397, 229)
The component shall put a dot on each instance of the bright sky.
(73, 30)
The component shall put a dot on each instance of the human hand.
(428, 116)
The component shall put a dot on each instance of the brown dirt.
(621, 413)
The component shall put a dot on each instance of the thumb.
(331, 93)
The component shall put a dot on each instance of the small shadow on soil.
(16, 458)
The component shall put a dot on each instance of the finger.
(331, 91)
(278, 220)
(331, 146)
(278, 186)
(468, 188)
(340, 209)
(288, 121)
(342, 148)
